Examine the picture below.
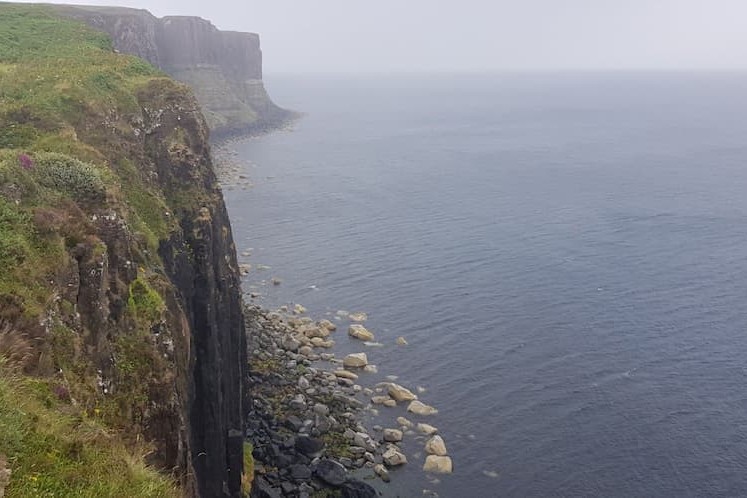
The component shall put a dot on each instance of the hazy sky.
(479, 35)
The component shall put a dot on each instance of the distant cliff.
(223, 68)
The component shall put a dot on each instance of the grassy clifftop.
(103, 163)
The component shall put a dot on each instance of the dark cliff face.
(223, 68)
(200, 260)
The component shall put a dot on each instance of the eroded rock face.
(223, 68)
(200, 260)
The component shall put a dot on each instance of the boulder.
(403, 422)
(355, 360)
(309, 446)
(331, 472)
(326, 324)
(419, 408)
(393, 457)
(345, 374)
(381, 471)
(401, 341)
(365, 441)
(393, 435)
(438, 464)
(390, 403)
(299, 310)
(400, 393)
(426, 429)
(300, 472)
(360, 332)
(290, 344)
(436, 446)
(357, 489)
(379, 400)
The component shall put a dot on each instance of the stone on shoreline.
(355, 360)
(438, 464)
(379, 400)
(403, 422)
(326, 324)
(400, 393)
(345, 374)
(381, 471)
(436, 446)
(392, 435)
(358, 316)
(419, 408)
(426, 429)
(331, 472)
(360, 332)
(393, 457)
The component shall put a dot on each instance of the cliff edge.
(223, 68)
(122, 343)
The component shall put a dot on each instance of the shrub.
(144, 301)
(79, 180)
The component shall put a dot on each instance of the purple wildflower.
(25, 161)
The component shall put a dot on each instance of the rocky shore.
(305, 410)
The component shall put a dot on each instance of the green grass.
(53, 452)
(70, 104)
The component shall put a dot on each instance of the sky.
(341, 36)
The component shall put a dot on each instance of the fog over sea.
(566, 255)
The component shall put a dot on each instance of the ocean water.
(565, 253)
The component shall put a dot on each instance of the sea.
(565, 254)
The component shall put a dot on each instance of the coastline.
(308, 414)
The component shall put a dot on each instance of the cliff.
(223, 68)
(122, 342)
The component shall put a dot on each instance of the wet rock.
(419, 408)
(370, 369)
(290, 344)
(392, 435)
(294, 423)
(426, 429)
(400, 393)
(379, 400)
(357, 489)
(360, 332)
(393, 457)
(309, 446)
(355, 360)
(298, 402)
(364, 441)
(381, 471)
(299, 310)
(390, 403)
(326, 324)
(345, 374)
(401, 341)
(402, 421)
(436, 446)
(261, 488)
(438, 464)
(358, 316)
(331, 472)
(299, 472)
(321, 409)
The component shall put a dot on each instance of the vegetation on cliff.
(105, 184)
